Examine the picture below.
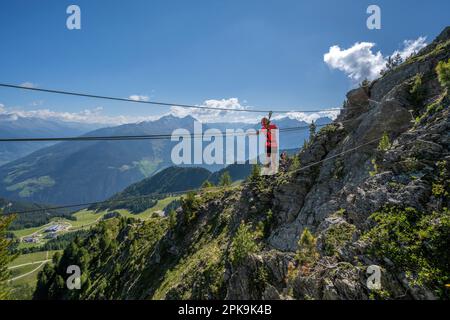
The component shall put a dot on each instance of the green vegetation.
(338, 172)
(268, 221)
(312, 131)
(295, 163)
(337, 236)
(60, 243)
(108, 239)
(439, 49)
(384, 144)
(190, 205)
(207, 184)
(392, 63)
(255, 175)
(417, 91)
(416, 242)
(24, 270)
(147, 167)
(433, 108)
(307, 253)
(374, 172)
(225, 179)
(30, 186)
(243, 244)
(5, 255)
(441, 186)
(172, 219)
(37, 214)
(197, 276)
(443, 71)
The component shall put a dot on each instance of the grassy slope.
(23, 288)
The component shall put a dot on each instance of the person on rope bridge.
(270, 130)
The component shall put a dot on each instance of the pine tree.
(417, 91)
(5, 256)
(307, 252)
(207, 184)
(225, 179)
(312, 131)
(243, 244)
(172, 218)
(443, 71)
(295, 163)
(256, 173)
(398, 60)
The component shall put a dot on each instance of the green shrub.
(190, 205)
(172, 219)
(307, 253)
(337, 236)
(295, 163)
(268, 221)
(312, 131)
(5, 254)
(385, 143)
(225, 179)
(443, 71)
(243, 244)
(207, 184)
(417, 91)
(411, 164)
(375, 168)
(416, 242)
(255, 174)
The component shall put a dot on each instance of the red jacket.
(271, 138)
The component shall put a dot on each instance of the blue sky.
(267, 54)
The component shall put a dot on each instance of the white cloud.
(97, 115)
(411, 47)
(309, 117)
(136, 97)
(211, 116)
(208, 115)
(28, 85)
(85, 116)
(360, 62)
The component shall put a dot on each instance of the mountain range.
(87, 171)
(13, 126)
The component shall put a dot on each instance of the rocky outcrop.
(348, 182)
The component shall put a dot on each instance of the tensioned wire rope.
(165, 135)
(186, 191)
(160, 103)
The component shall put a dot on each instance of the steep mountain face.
(371, 189)
(13, 126)
(87, 171)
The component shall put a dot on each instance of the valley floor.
(25, 268)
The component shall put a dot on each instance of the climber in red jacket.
(270, 130)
